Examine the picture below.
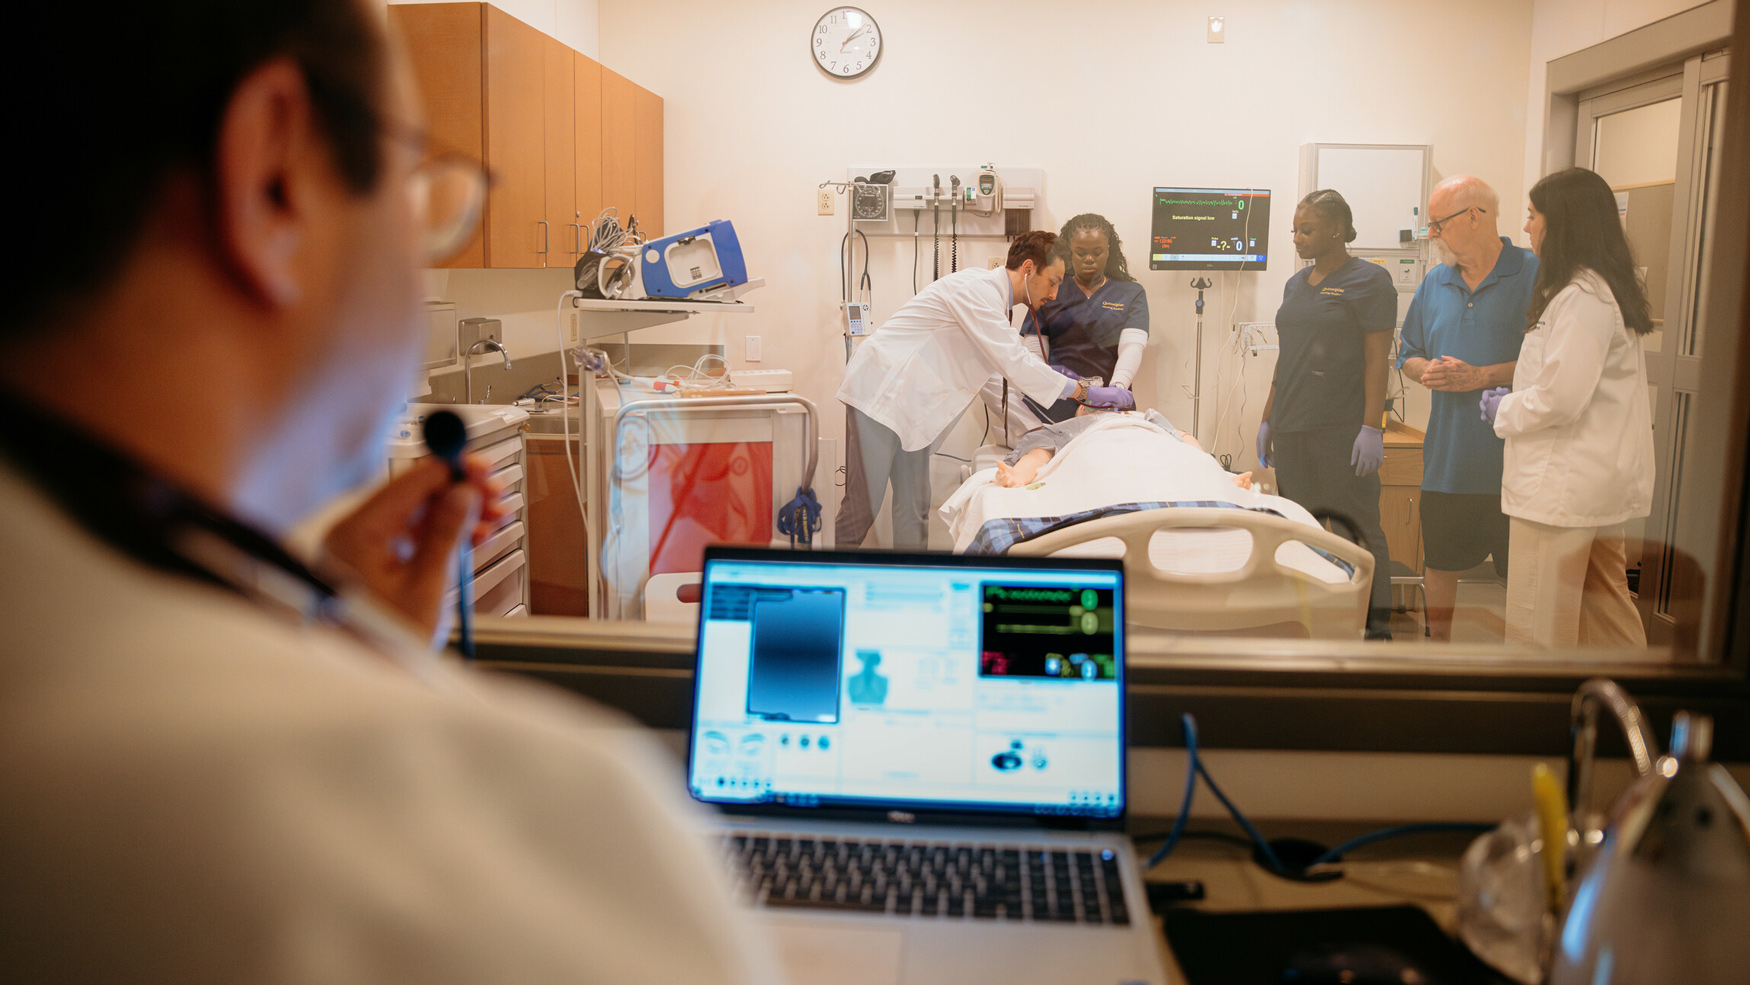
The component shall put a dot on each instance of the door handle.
(576, 238)
(545, 241)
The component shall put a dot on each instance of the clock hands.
(852, 35)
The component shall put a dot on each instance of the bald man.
(1462, 336)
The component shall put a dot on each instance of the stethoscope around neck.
(153, 521)
(277, 583)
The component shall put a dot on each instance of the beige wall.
(1110, 101)
(1562, 27)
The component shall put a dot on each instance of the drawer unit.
(503, 585)
(1403, 465)
(508, 538)
(495, 437)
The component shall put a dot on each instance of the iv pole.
(1199, 284)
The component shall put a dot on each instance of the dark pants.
(1312, 468)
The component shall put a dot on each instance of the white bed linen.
(1125, 459)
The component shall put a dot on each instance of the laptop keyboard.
(929, 881)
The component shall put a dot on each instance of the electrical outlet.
(825, 206)
(993, 263)
(576, 336)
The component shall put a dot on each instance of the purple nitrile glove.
(1491, 402)
(1264, 444)
(1111, 397)
(1368, 454)
(1065, 370)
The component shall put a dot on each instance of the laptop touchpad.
(819, 955)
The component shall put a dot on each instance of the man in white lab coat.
(911, 380)
(218, 764)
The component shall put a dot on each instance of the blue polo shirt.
(1481, 327)
(1082, 330)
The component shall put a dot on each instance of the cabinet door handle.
(576, 238)
(544, 236)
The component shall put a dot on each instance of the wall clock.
(846, 42)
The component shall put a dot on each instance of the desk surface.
(1401, 435)
(1420, 870)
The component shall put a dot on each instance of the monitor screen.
(1210, 229)
(910, 683)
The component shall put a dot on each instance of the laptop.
(919, 762)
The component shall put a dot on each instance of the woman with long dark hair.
(1098, 325)
(1578, 424)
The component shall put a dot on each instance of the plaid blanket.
(997, 536)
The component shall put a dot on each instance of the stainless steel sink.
(544, 421)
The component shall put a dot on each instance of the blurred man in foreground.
(221, 763)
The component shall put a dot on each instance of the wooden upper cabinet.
(619, 144)
(515, 144)
(649, 180)
(560, 176)
(444, 40)
(562, 136)
(587, 88)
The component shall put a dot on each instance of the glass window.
(1310, 454)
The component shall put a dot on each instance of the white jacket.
(1578, 424)
(928, 361)
(195, 789)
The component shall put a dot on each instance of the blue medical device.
(695, 263)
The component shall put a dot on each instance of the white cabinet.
(495, 433)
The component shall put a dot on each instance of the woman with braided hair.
(1098, 325)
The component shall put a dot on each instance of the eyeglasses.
(1436, 225)
(447, 194)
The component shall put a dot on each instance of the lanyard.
(156, 522)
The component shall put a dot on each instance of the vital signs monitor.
(1210, 229)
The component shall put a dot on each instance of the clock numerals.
(847, 42)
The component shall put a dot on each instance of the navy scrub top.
(1081, 331)
(1320, 365)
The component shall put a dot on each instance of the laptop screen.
(910, 682)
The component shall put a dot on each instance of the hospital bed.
(1238, 562)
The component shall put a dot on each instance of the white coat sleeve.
(987, 327)
(1130, 345)
(1573, 364)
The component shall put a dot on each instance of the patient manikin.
(1038, 446)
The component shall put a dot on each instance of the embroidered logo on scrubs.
(1111, 306)
(1331, 292)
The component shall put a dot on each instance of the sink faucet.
(488, 344)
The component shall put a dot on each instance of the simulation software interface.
(823, 684)
(1210, 229)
